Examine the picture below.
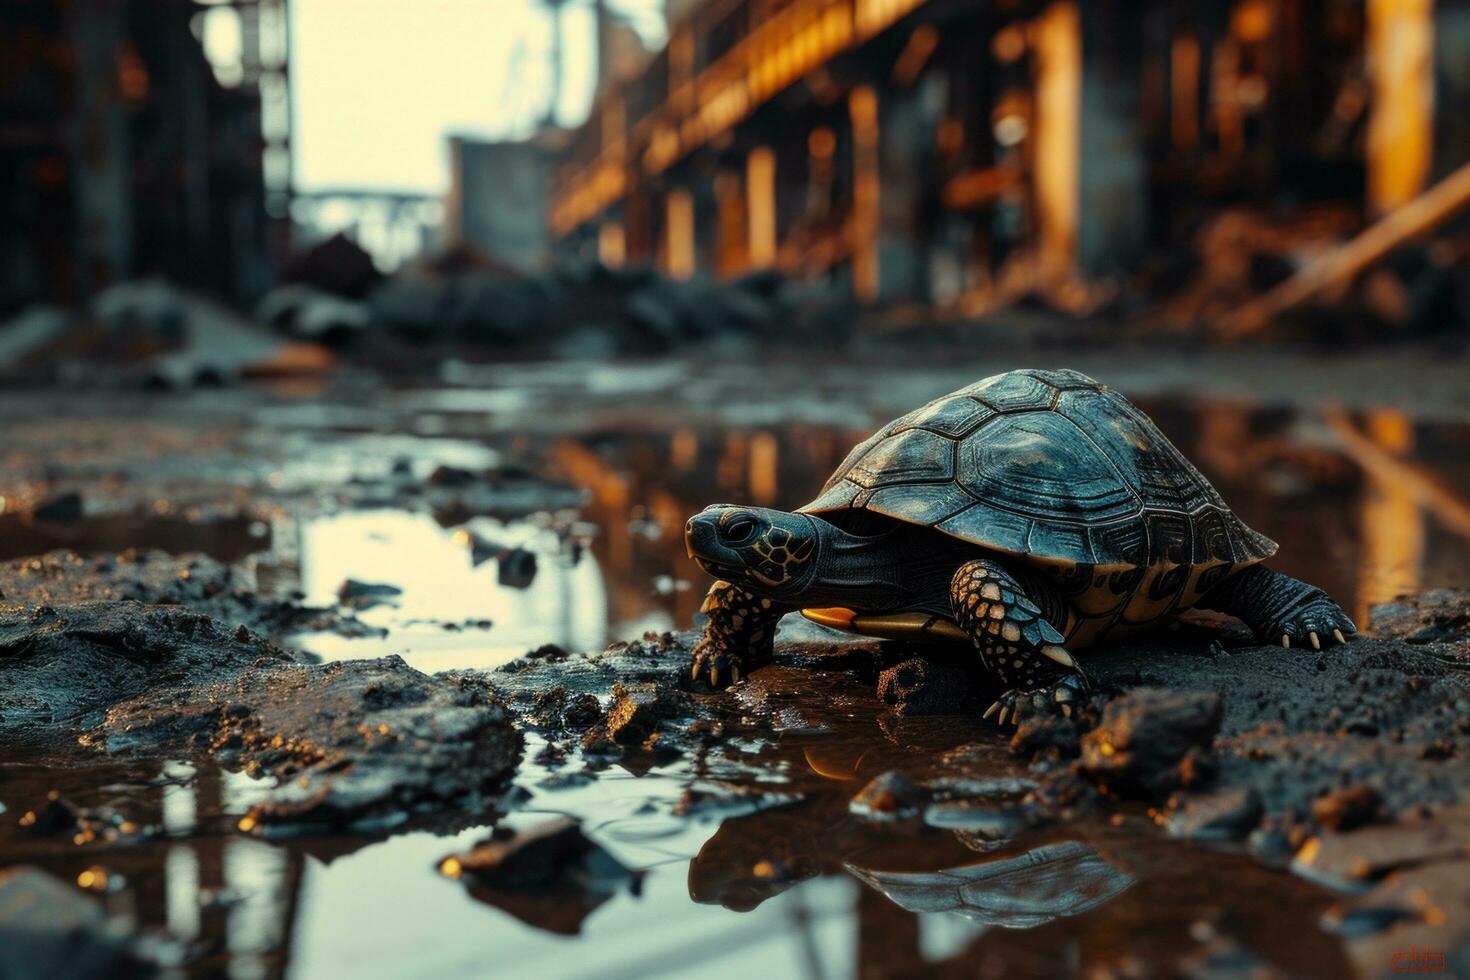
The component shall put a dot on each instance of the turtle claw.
(716, 667)
(1060, 696)
(1318, 625)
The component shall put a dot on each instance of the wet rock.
(550, 876)
(1145, 737)
(1348, 809)
(516, 568)
(358, 743)
(1416, 921)
(636, 714)
(1352, 859)
(365, 595)
(1049, 738)
(62, 666)
(50, 929)
(925, 687)
(890, 796)
(153, 577)
(581, 712)
(60, 508)
(58, 816)
(1229, 814)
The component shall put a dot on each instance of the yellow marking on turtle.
(890, 626)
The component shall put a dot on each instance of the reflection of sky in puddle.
(565, 604)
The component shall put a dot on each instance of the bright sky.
(377, 84)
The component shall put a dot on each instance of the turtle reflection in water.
(1033, 514)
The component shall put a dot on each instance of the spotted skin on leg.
(1015, 642)
(738, 637)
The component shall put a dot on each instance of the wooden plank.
(1341, 265)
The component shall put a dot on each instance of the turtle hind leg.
(1281, 609)
(738, 637)
(1015, 641)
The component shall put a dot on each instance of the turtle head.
(770, 552)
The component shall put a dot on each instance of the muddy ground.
(1218, 808)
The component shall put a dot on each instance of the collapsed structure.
(938, 149)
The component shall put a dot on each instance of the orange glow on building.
(1058, 45)
(863, 108)
(1400, 52)
(760, 194)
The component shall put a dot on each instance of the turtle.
(1032, 515)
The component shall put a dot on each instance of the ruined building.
(935, 149)
(141, 137)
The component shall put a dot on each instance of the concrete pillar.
(904, 135)
(1113, 193)
(1451, 85)
(678, 250)
(1090, 173)
(1400, 49)
(866, 193)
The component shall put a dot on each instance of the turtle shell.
(1051, 466)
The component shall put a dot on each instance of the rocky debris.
(1229, 814)
(1348, 809)
(1436, 616)
(365, 595)
(1150, 739)
(152, 577)
(358, 743)
(58, 816)
(63, 666)
(924, 686)
(1416, 921)
(1350, 860)
(551, 876)
(580, 309)
(888, 797)
(636, 716)
(62, 507)
(306, 313)
(50, 929)
(661, 659)
(516, 568)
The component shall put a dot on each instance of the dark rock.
(1146, 734)
(64, 665)
(1348, 809)
(364, 595)
(62, 507)
(551, 876)
(50, 929)
(890, 796)
(636, 713)
(516, 569)
(452, 476)
(924, 687)
(357, 743)
(581, 712)
(1050, 738)
(1229, 814)
(1350, 860)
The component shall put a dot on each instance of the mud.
(1261, 809)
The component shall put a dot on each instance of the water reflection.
(455, 608)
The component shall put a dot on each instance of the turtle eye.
(738, 530)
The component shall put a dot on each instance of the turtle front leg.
(1016, 643)
(1281, 609)
(738, 637)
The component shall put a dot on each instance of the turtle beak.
(702, 540)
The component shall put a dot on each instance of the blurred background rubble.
(186, 196)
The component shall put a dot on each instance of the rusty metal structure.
(943, 149)
(128, 148)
